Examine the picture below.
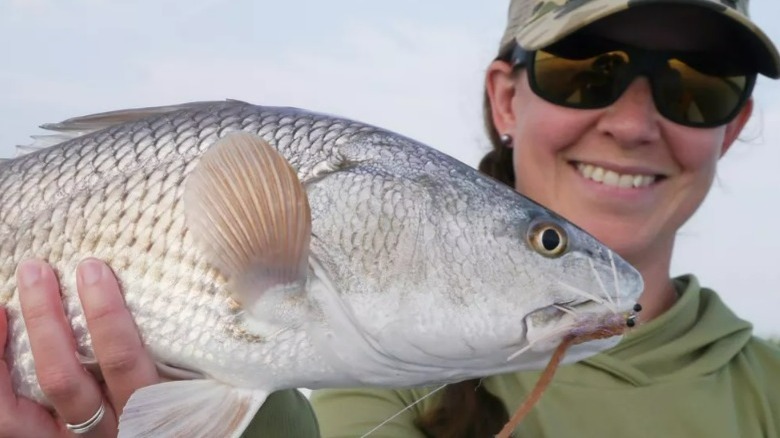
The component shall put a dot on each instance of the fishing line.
(403, 410)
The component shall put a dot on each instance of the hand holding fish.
(74, 393)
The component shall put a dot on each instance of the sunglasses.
(695, 89)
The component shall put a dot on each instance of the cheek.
(542, 130)
(542, 124)
(697, 150)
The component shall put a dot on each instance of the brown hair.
(466, 409)
(498, 162)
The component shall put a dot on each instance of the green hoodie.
(695, 371)
(285, 414)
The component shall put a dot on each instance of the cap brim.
(559, 22)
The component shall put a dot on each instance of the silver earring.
(506, 140)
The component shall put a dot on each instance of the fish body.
(263, 248)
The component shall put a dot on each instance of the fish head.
(446, 272)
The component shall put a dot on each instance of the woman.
(615, 114)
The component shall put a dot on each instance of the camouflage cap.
(537, 23)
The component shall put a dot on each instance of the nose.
(633, 119)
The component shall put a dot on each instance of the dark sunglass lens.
(690, 97)
(592, 82)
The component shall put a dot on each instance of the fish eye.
(548, 239)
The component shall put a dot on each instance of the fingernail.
(91, 271)
(29, 272)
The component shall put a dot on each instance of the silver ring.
(90, 424)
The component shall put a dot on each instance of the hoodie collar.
(696, 336)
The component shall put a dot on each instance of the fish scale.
(401, 266)
(128, 158)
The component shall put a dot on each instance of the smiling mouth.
(613, 179)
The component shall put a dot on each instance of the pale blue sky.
(411, 66)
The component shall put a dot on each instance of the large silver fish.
(267, 248)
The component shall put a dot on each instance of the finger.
(19, 417)
(124, 362)
(7, 397)
(73, 392)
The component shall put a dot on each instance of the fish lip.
(561, 323)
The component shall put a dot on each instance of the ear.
(500, 85)
(734, 128)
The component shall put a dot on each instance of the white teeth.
(598, 174)
(586, 170)
(612, 178)
(626, 181)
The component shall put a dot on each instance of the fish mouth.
(548, 326)
(558, 312)
(591, 327)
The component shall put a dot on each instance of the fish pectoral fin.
(246, 207)
(191, 408)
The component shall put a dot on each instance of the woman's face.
(624, 173)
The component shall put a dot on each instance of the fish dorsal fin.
(245, 205)
(78, 126)
(98, 121)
